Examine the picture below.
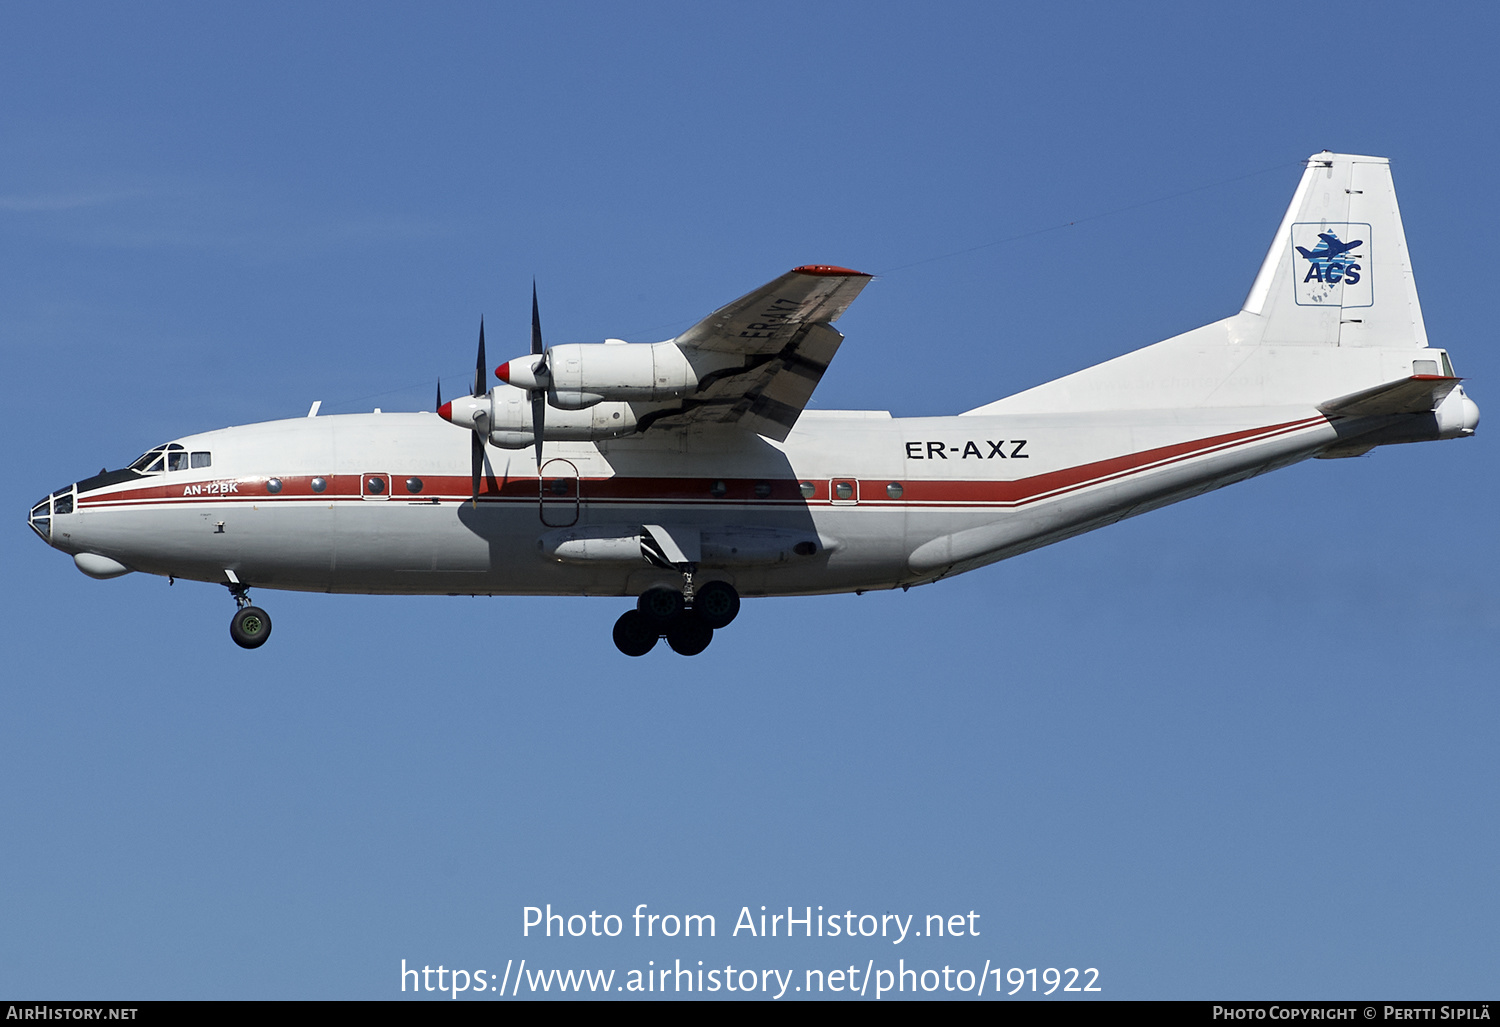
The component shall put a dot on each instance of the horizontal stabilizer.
(1419, 394)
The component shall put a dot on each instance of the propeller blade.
(479, 370)
(536, 322)
(476, 450)
(538, 396)
(538, 422)
(439, 394)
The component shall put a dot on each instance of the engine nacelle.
(504, 415)
(580, 375)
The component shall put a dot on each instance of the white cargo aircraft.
(687, 473)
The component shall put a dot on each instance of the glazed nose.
(40, 518)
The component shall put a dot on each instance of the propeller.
(477, 415)
(538, 396)
(476, 441)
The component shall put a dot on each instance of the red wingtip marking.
(827, 269)
(446, 411)
(503, 372)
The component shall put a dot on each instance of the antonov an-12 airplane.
(685, 474)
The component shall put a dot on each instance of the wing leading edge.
(782, 331)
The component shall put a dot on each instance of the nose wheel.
(250, 626)
(686, 622)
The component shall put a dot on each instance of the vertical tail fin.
(1338, 272)
(1332, 312)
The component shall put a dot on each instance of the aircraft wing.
(1415, 395)
(782, 331)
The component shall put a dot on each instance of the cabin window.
(1424, 367)
(319, 484)
(177, 461)
(718, 489)
(808, 489)
(201, 459)
(894, 490)
(273, 485)
(414, 485)
(762, 490)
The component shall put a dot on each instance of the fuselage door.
(559, 493)
(375, 486)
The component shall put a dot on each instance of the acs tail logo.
(1332, 271)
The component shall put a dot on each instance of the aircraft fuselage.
(873, 501)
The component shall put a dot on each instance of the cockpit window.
(171, 457)
(149, 461)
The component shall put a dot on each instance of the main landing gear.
(687, 622)
(250, 626)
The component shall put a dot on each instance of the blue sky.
(1242, 747)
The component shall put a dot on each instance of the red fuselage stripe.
(643, 490)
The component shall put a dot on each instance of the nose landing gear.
(686, 622)
(250, 626)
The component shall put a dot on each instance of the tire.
(716, 604)
(689, 636)
(634, 635)
(250, 627)
(660, 606)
